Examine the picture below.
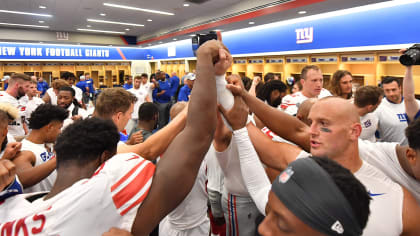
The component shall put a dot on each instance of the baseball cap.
(190, 76)
(6, 77)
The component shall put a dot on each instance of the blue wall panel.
(386, 26)
(19, 51)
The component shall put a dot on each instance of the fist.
(11, 150)
(7, 173)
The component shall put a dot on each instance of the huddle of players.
(343, 187)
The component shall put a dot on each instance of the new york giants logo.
(305, 35)
(45, 156)
(402, 117)
(367, 123)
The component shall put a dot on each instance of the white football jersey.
(30, 105)
(141, 95)
(387, 202)
(230, 165)
(369, 124)
(290, 103)
(148, 87)
(78, 93)
(192, 212)
(214, 172)
(110, 198)
(16, 126)
(392, 122)
(53, 96)
(42, 155)
(384, 157)
(80, 112)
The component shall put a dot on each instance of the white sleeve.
(253, 172)
(223, 158)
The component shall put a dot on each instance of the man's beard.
(21, 93)
(276, 102)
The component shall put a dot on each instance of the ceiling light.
(160, 42)
(42, 7)
(41, 21)
(127, 29)
(302, 12)
(36, 26)
(41, 42)
(88, 26)
(25, 13)
(102, 14)
(174, 39)
(102, 31)
(186, 5)
(251, 23)
(138, 9)
(150, 20)
(113, 22)
(192, 35)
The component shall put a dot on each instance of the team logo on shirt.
(45, 156)
(374, 194)
(402, 117)
(285, 175)
(367, 123)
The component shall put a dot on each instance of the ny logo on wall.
(305, 35)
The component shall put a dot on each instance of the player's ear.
(105, 156)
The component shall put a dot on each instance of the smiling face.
(393, 92)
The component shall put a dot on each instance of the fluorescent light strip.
(113, 22)
(364, 8)
(25, 13)
(138, 9)
(35, 26)
(102, 31)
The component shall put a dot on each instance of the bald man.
(304, 108)
(334, 132)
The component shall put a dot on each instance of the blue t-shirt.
(89, 84)
(82, 85)
(174, 85)
(127, 86)
(42, 86)
(184, 92)
(166, 96)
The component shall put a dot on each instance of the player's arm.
(275, 155)
(183, 158)
(410, 102)
(7, 173)
(411, 214)
(156, 144)
(222, 135)
(46, 98)
(284, 125)
(29, 174)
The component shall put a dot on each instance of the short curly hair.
(86, 140)
(45, 114)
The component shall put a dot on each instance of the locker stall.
(294, 66)
(239, 66)
(274, 65)
(362, 67)
(115, 71)
(255, 67)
